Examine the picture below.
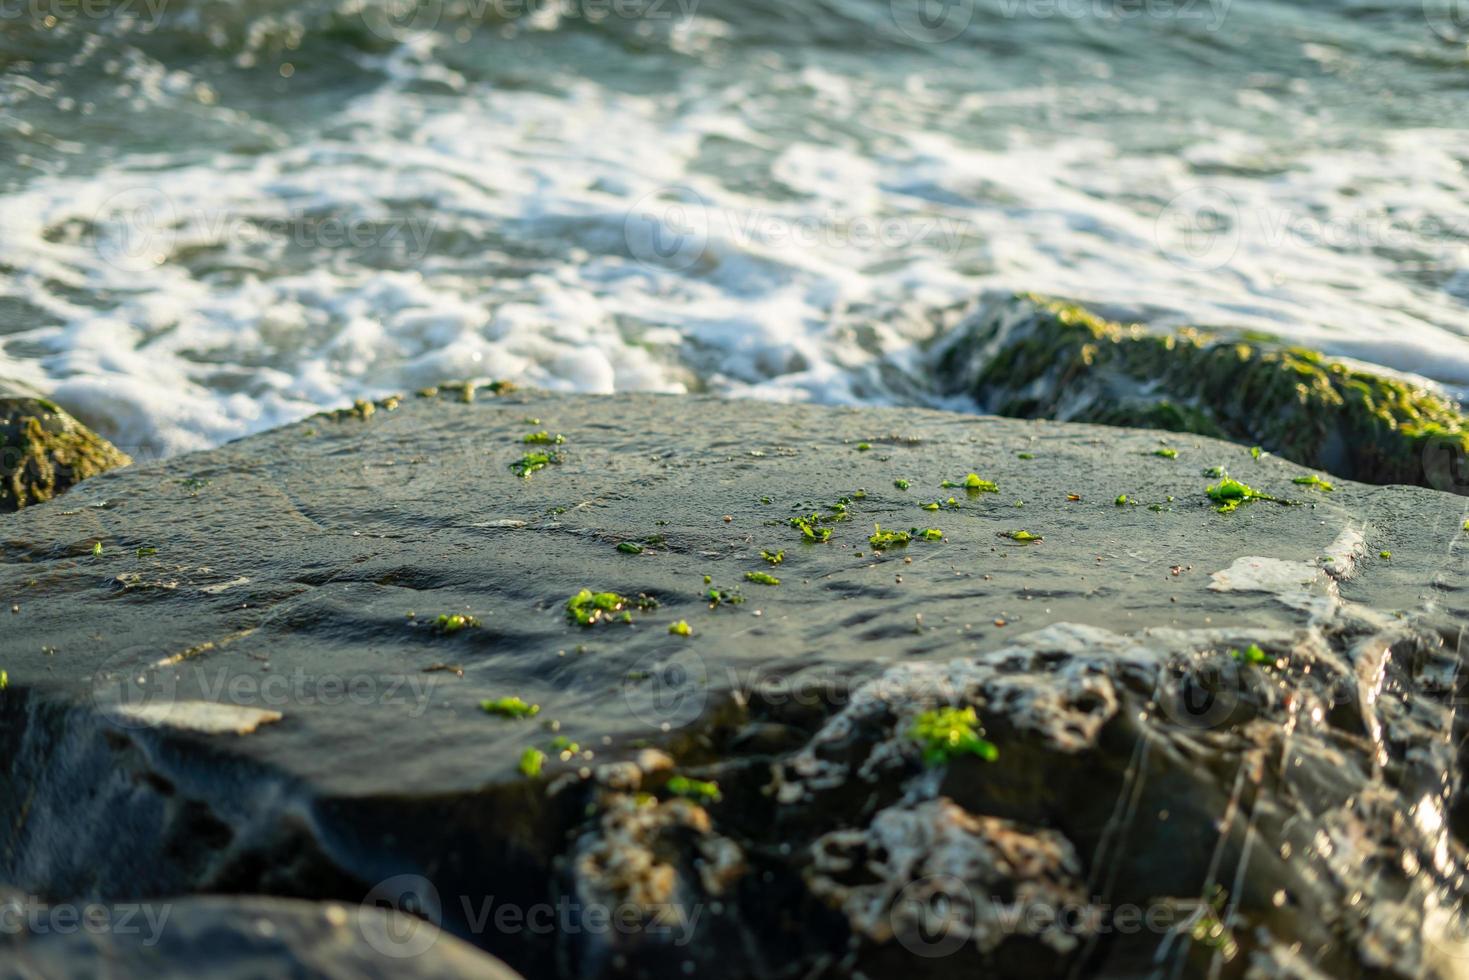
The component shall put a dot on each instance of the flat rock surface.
(231, 660)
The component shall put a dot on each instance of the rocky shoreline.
(1032, 357)
(641, 686)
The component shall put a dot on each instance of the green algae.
(1215, 472)
(705, 791)
(1025, 455)
(630, 548)
(1384, 554)
(451, 623)
(1229, 493)
(681, 628)
(807, 525)
(1314, 481)
(588, 608)
(1166, 453)
(1122, 500)
(863, 447)
(888, 539)
(532, 463)
(902, 484)
(882, 540)
(761, 578)
(543, 438)
(531, 761)
(945, 733)
(773, 557)
(1253, 655)
(510, 707)
(973, 483)
(97, 550)
(1021, 536)
(1048, 359)
(722, 597)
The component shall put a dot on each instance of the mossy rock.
(1031, 357)
(43, 450)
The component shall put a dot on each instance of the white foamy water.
(216, 226)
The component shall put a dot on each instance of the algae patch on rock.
(1031, 357)
(44, 451)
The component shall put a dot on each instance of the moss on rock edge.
(44, 451)
(1030, 357)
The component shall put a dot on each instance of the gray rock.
(1224, 741)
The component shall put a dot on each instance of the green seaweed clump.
(1022, 536)
(532, 463)
(543, 438)
(1252, 654)
(773, 557)
(587, 608)
(1229, 493)
(723, 597)
(948, 732)
(630, 548)
(1166, 452)
(705, 791)
(531, 761)
(1314, 481)
(510, 707)
(807, 525)
(973, 483)
(451, 623)
(681, 628)
(888, 539)
(902, 484)
(761, 578)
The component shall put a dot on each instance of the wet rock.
(1029, 357)
(1223, 744)
(228, 937)
(43, 450)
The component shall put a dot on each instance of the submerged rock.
(43, 450)
(1028, 357)
(343, 662)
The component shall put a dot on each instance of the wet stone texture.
(1201, 744)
